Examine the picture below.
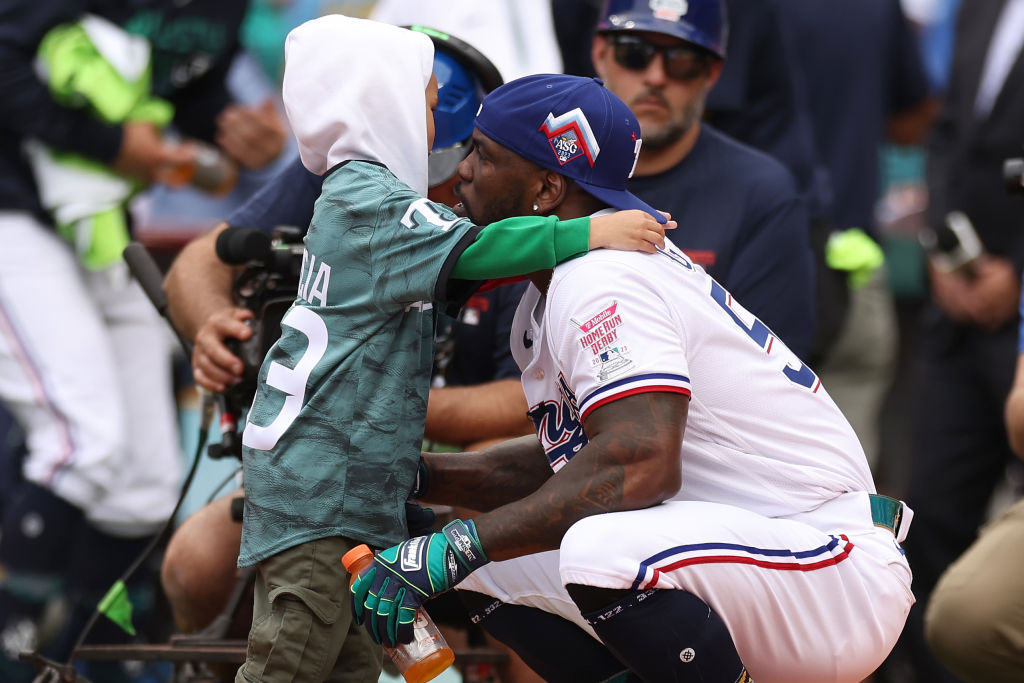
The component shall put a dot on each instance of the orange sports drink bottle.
(428, 654)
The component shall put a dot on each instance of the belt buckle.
(886, 512)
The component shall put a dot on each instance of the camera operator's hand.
(214, 366)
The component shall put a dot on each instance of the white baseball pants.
(818, 598)
(85, 368)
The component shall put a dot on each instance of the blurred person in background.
(246, 109)
(975, 618)
(761, 100)
(935, 20)
(968, 342)
(87, 374)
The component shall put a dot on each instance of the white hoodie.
(355, 89)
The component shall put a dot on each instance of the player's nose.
(464, 169)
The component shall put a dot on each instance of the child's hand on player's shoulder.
(631, 230)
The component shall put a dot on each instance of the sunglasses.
(682, 62)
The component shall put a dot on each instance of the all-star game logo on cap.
(570, 135)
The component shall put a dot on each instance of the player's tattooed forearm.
(631, 462)
(604, 495)
(485, 480)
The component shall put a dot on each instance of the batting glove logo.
(412, 554)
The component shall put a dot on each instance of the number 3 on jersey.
(291, 381)
(795, 371)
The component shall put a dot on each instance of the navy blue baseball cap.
(573, 126)
(701, 22)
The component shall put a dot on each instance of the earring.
(536, 207)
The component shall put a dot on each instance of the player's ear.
(551, 192)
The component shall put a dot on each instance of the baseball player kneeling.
(694, 506)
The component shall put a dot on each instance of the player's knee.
(585, 543)
(668, 635)
(555, 648)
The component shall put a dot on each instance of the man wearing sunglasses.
(740, 214)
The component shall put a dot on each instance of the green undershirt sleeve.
(522, 245)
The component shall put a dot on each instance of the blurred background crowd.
(893, 120)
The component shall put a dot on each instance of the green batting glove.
(385, 597)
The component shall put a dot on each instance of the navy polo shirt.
(286, 199)
(760, 100)
(861, 64)
(740, 217)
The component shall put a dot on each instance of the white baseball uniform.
(772, 526)
(85, 368)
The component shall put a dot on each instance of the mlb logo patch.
(570, 136)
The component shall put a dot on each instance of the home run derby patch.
(570, 136)
(600, 334)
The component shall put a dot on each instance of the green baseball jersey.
(333, 436)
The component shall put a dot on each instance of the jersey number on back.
(795, 371)
(291, 381)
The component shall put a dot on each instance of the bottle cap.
(352, 557)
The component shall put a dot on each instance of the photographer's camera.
(266, 286)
